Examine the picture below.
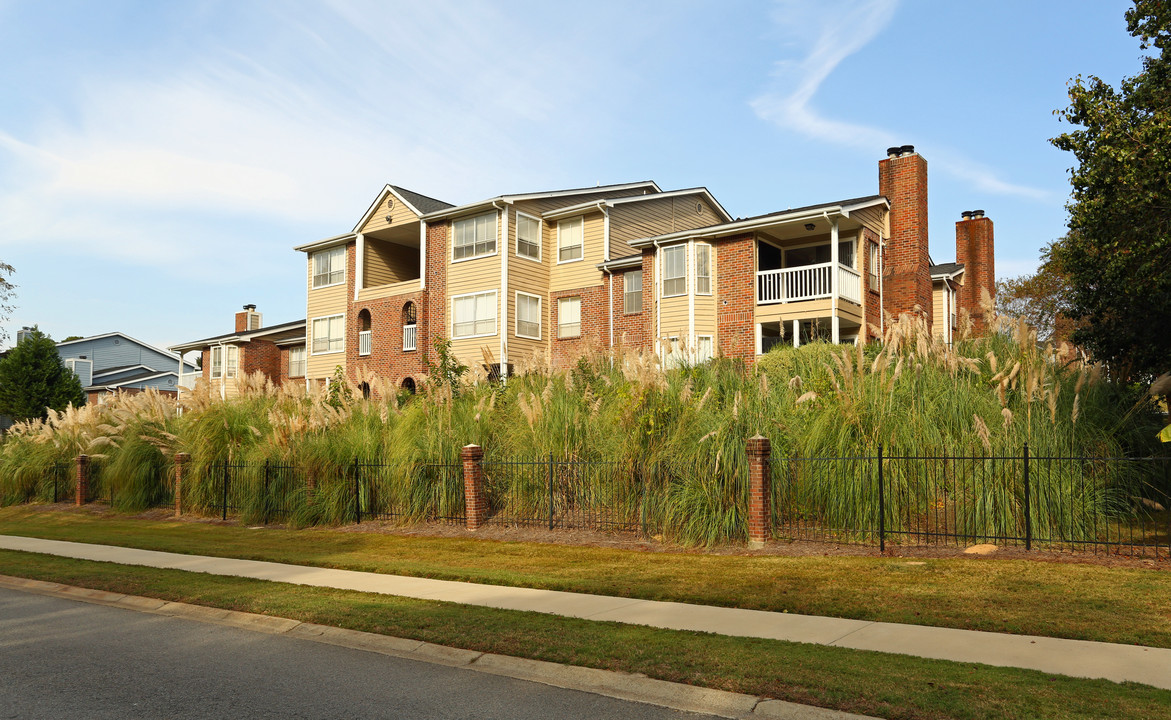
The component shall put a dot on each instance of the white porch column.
(759, 343)
(796, 333)
(834, 281)
(359, 265)
(835, 325)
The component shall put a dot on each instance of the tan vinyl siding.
(873, 219)
(322, 302)
(656, 216)
(544, 205)
(477, 275)
(531, 277)
(398, 215)
(579, 273)
(938, 316)
(674, 317)
(388, 263)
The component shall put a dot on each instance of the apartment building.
(553, 274)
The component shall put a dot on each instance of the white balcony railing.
(808, 282)
(364, 342)
(409, 336)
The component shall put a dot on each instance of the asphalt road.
(67, 659)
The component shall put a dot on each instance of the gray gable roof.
(946, 269)
(422, 203)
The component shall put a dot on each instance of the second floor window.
(329, 267)
(675, 270)
(329, 334)
(632, 292)
(297, 362)
(474, 236)
(703, 269)
(873, 268)
(528, 237)
(570, 240)
(474, 315)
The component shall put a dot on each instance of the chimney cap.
(966, 215)
(249, 306)
(892, 151)
(977, 214)
(906, 150)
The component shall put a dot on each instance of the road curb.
(608, 683)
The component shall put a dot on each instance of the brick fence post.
(82, 478)
(181, 460)
(759, 491)
(475, 504)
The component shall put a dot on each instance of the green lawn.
(1086, 602)
(892, 686)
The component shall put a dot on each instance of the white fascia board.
(485, 204)
(326, 243)
(634, 261)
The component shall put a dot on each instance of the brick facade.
(974, 249)
(630, 330)
(736, 297)
(262, 356)
(595, 325)
(906, 265)
(871, 298)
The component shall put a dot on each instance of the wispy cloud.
(839, 30)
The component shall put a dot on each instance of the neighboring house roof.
(69, 344)
(239, 337)
(132, 380)
(843, 207)
(946, 271)
(629, 261)
(611, 202)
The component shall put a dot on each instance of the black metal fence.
(1117, 504)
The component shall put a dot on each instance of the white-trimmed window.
(846, 253)
(225, 360)
(473, 315)
(297, 361)
(632, 292)
(329, 267)
(233, 363)
(528, 316)
(873, 269)
(675, 270)
(703, 348)
(703, 269)
(474, 236)
(329, 334)
(570, 240)
(568, 317)
(217, 362)
(528, 237)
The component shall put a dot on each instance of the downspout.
(605, 230)
(422, 255)
(692, 282)
(606, 258)
(503, 290)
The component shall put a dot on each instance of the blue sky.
(158, 161)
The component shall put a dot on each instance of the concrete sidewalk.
(1077, 658)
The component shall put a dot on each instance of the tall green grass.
(669, 446)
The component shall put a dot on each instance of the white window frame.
(216, 359)
(329, 253)
(627, 294)
(232, 361)
(516, 330)
(472, 219)
(495, 304)
(303, 362)
(708, 251)
(329, 338)
(711, 353)
(540, 236)
(561, 317)
(671, 249)
(872, 271)
(580, 220)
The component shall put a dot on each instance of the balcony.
(808, 282)
(364, 342)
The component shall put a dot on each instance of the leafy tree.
(33, 378)
(7, 293)
(1043, 298)
(447, 370)
(1117, 254)
(73, 337)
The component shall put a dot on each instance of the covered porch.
(816, 323)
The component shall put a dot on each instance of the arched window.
(409, 385)
(365, 338)
(410, 328)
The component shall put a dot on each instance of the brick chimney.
(902, 178)
(247, 319)
(975, 250)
